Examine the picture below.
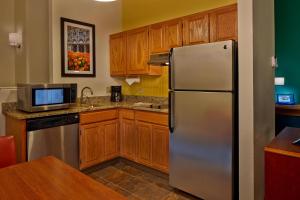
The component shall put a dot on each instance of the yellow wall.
(138, 13)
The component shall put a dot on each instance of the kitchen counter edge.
(16, 114)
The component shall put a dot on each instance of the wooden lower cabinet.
(128, 139)
(91, 145)
(153, 145)
(98, 142)
(111, 139)
(144, 135)
(160, 147)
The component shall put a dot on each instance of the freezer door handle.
(171, 112)
(171, 70)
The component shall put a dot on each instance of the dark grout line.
(140, 177)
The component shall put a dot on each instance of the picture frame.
(77, 49)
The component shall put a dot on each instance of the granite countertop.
(102, 105)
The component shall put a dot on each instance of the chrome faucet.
(82, 95)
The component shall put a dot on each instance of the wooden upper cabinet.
(164, 36)
(196, 29)
(223, 24)
(130, 50)
(118, 54)
(173, 33)
(156, 38)
(137, 51)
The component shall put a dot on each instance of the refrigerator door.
(203, 67)
(201, 144)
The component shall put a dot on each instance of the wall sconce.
(15, 39)
(279, 81)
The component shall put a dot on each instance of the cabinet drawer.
(155, 118)
(98, 116)
(126, 114)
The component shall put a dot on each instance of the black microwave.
(45, 97)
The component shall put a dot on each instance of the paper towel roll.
(131, 81)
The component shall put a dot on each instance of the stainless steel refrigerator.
(203, 120)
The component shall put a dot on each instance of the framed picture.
(77, 49)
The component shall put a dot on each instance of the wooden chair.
(7, 151)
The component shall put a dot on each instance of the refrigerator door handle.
(171, 112)
(171, 70)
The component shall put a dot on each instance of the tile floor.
(136, 182)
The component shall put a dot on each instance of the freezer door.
(203, 67)
(201, 144)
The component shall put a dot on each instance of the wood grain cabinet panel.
(144, 135)
(160, 147)
(156, 38)
(196, 29)
(164, 36)
(173, 34)
(223, 24)
(118, 54)
(128, 139)
(91, 145)
(111, 139)
(98, 116)
(138, 51)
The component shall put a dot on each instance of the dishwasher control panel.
(53, 121)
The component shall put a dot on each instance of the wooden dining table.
(50, 178)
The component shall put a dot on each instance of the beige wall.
(20, 56)
(32, 60)
(106, 17)
(246, 110)
(7, 54)
(264, 106)
(37, 37)
(256, 82)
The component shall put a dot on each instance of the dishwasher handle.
(53, 121)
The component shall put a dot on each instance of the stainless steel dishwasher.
(56, 136)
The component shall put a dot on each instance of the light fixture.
(15, 39)
(279, 81)
(105, 0)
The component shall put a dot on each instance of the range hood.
(161, 59)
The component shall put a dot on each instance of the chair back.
(7, 151)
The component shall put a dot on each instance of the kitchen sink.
(150, 105)
(90, 106)
(142, 105)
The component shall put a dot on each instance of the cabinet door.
(156, 38)
(91, 145)
(173, 34)
(223, 24)
(111, 139)
(196, 29)
(137, 51)
(160, 147)
(144, 134)
(128, 139)
(118, 54)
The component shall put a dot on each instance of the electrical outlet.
(274, 62)
(108, 89)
